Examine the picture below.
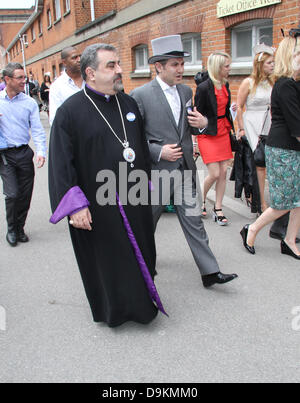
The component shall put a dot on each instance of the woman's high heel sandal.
(219, 219)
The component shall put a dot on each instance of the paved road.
(241, 332)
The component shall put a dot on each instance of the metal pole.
(23, 52)
(92, 10)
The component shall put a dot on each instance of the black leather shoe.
(11, 238)
(286, 250)
(244, 234)
(22, 237)
(217, 278)
(280, 237)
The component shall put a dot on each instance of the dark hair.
(66, 52)
(47, 75)
(201, 76)
(162, 62)
(89, 57)
(10, 68)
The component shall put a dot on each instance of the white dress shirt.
(173, 98)
(60, 90)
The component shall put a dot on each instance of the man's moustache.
(118, 77)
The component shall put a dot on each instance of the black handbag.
(234, 142)
(259, 153)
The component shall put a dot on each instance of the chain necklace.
(128, 153)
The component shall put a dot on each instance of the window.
(32, 34)
(66, 6)
(245, 36)
(141, 59)
(40, 24)
(49, 18)
(192, 45)
(56, 8)
(54, 75)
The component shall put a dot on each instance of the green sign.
(229, 7)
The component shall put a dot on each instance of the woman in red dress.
(213, 101)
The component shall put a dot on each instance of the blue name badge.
(131, 117)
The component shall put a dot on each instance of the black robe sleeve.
(62, 171)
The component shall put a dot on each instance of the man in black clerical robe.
(114, 243)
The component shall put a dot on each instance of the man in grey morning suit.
(163, 104)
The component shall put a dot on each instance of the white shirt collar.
(164, 86)
(69, 80)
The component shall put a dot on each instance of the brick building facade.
(11, 21)
(131, 24)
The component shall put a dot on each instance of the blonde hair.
(284, 58)
(215, 62)
(295, 67)
(258, 74)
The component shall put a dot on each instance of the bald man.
(68, 83)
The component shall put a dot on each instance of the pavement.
(245, 331)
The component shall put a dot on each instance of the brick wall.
(9, 29)
(83, 10)
(188, 16)
(126, 3)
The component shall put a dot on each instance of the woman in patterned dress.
(283, 150)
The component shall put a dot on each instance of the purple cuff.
(72, 202)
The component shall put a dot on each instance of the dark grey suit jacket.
(160, 125)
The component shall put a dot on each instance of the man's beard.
(75, 70)
(118, 84)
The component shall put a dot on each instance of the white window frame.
(57, 10)
(67, 6)
(145, 68)
(33, 37)
(195, 64)
(54, 72)
(40, 24)
(49, 18)
(255, 26)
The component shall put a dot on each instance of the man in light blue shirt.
(19, 118)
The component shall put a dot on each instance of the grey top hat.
(167, 47)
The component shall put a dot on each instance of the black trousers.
(18, 178)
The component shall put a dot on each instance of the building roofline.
(24, 16)
(39, 5)
(19, 9)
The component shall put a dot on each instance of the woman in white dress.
(255, 94)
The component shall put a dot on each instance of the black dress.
(82, 145)
(44, 93)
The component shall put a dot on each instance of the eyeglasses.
(19, 78)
